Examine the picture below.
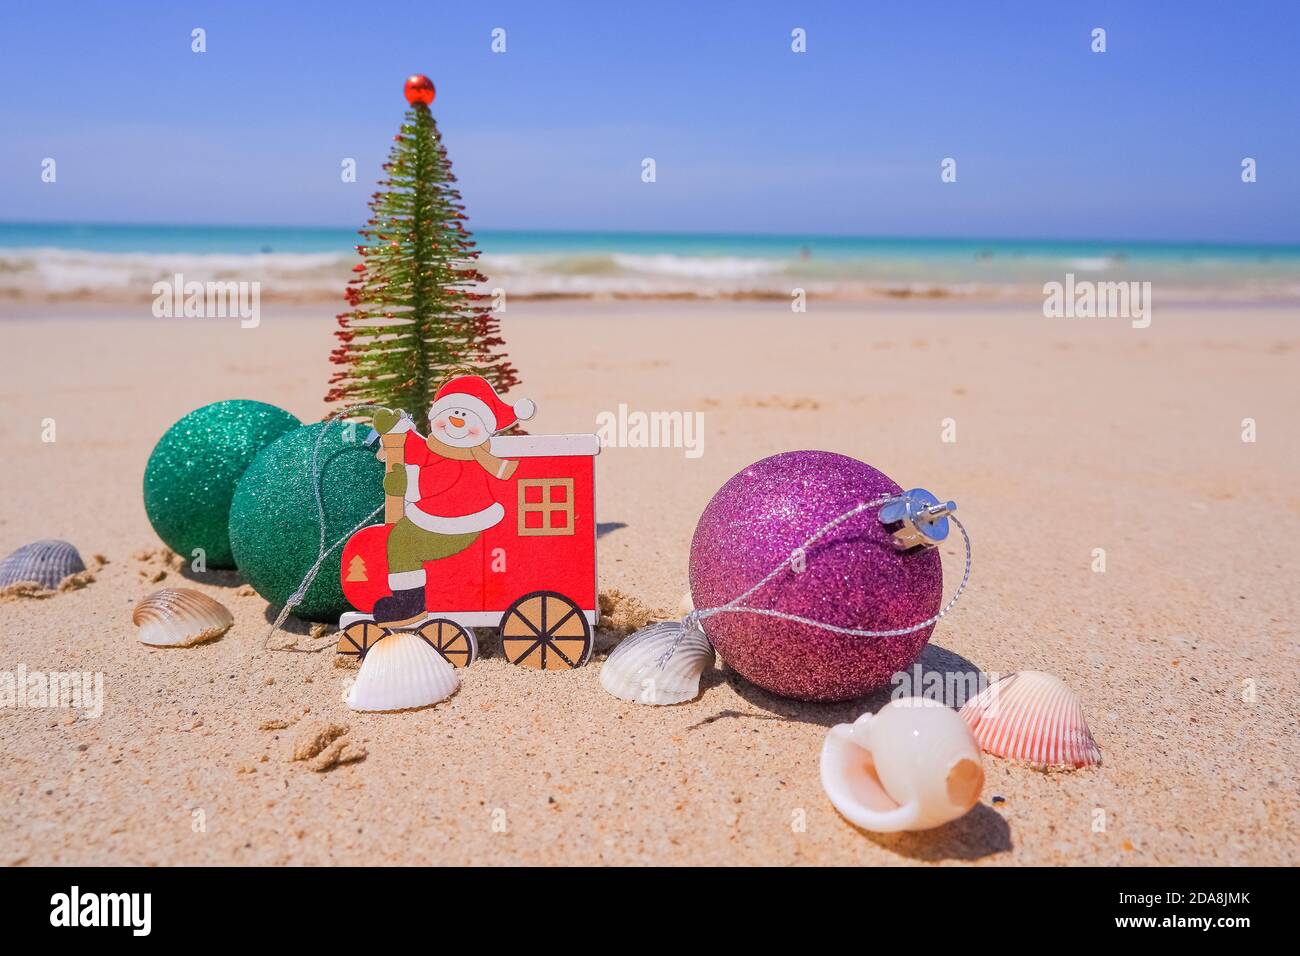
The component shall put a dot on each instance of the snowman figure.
(444, 480)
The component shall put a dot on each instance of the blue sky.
(1051, 140)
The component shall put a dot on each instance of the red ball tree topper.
(419, 89)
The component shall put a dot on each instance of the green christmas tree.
(415, 316)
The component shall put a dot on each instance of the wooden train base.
(543, 630)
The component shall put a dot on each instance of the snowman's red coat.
(449, 489)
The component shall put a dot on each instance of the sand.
(1071, 435)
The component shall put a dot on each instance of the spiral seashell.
(400, 672)
(46, 562)
(180, 617)
(1032, 716)
(633, 671)
(912, 765)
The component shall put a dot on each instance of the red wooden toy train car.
(532, 574)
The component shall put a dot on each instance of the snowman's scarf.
(490, 463)
(737, 605)
(323, 552)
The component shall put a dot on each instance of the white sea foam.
(46, 273)
(56, 273)
(698, 267)
(1090, 264)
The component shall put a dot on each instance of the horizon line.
(699, 233)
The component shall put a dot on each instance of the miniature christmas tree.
(356, 569)
(415, 315)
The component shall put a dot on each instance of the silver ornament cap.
(916, 518)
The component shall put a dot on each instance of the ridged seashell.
(46, 562)
(632, 671)
(180, 617)
(911, 766)
(1032, 716)
(400, 672)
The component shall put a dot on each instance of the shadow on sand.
(982, 832)
(219, 578)
(937, 667)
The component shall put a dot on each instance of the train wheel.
(547, 631)
(456, 644)
(359, 637)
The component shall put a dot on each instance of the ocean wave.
(698, 267)
(72, 273)
(58, 274)
(1092, 263)
(629, 264)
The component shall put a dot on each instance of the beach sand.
(1071, 435)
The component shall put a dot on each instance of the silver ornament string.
(692, 620)
(323, 552)
(737, 606)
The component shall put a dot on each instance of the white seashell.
(400, 672)
(1032, 716)
(687, 604)
(911, 766)
(633, 672)
(180, 617)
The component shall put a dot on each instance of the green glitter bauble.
(274, 528)
(193, 470)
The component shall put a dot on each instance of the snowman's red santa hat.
(475, 394)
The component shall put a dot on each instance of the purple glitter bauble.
(853, 577)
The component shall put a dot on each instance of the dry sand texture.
(1071, 435)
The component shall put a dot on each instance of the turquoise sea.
(52, 260)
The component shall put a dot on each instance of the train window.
(545, 506)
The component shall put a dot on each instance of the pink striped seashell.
(1032, 716)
